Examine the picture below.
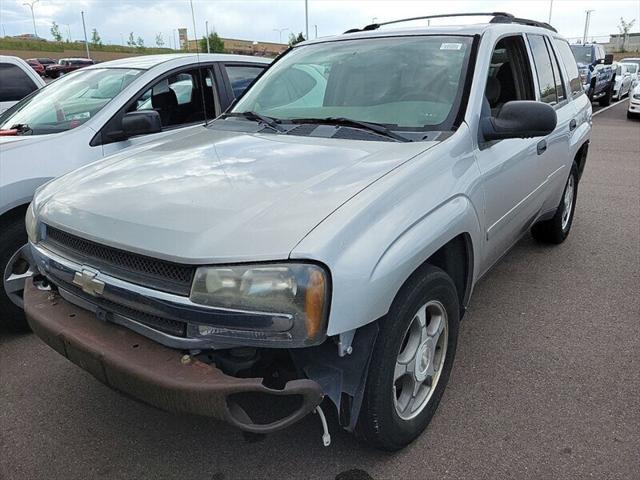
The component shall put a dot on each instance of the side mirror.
(608, 59)
(520, 119)
(140, 123)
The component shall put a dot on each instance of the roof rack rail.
(498, 17)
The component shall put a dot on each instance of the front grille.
(146, 271)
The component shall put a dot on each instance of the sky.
(257, 20)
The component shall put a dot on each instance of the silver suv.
(321, 239)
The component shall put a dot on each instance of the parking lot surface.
(545, 383)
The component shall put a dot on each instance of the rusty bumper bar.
(150, 372)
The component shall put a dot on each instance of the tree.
(55, 32)
(159, 40)
(216, 44)
(293, 38)
(140, 42)
(624, 27)
(132, 41)
(95, 38)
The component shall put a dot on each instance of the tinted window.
(15, 84)
(241, 76)
(560, 92)
(544, 69)
(563, 49)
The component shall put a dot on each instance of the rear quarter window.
(15, 84)
(570, 65)
(241, 76)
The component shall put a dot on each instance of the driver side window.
(182, 98)
(509, 74)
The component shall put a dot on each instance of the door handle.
(542, 147)
(572, 124)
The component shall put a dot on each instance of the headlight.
(636, 96)
(299, 291)
(31, 224)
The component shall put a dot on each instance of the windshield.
(582, 54)
(406, 82)
(631, 67)
(69, 102)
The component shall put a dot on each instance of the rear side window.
(240, 76)
(569, 61)
(544, 69)
(15, 84)
(560, 92)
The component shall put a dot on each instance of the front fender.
(378, 239)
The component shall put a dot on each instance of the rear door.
(556, 161)
(238, 76)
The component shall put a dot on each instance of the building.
(615, 43)
(246, 47)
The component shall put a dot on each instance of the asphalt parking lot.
(545, 384)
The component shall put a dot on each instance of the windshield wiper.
(255, 116)
(21, 128)
(349, 122)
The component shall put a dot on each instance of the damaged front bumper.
(155, 374)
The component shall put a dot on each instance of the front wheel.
(16, 268)
(556, 229)
(411, 361)
(606, 100)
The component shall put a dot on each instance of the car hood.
(212, 196)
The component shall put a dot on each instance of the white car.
(634, 71)
(17, 80)
(623, 80)
(634, 103)
(81, 118)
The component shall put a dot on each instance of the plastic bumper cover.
(150, 372)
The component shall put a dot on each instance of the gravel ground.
(545, 384)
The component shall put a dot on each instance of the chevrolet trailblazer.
(321, 239)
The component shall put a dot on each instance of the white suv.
(322, 238)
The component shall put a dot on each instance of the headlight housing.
(297, 292)
(636, 96)
(31, 224)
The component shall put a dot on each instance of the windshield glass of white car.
(411, 82)
(69, 102)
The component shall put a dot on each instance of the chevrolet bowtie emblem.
(86, 280)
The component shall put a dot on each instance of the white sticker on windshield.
(450, 46)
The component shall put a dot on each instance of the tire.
(380, 424)
(590, 92)
(556, 229)
(606, 100)
(12, 238)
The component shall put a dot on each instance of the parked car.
(66, 65)
(634, 71)
(18, 81)
(635, 60)
(622, 84)
(37, 66)
(634, 103)
(292, 250)
(87, 115)
(596, 71)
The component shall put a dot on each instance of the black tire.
(590, 93)
(12, 237)
(552, 231)
(379, 424)
(606, 100)
(631, 115)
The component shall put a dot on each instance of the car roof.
(146, 62)
(459, 30)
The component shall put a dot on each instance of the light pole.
(550, 10)
(84, 27)
(306, 19)
(586, 25)
(316, 27)
(280, 30)
(206, 27)
(33, 17)
(68, 33)
(175, 42)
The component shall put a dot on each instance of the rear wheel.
(556, 229)
(16, 269)
(606, 100)
(411, 361)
